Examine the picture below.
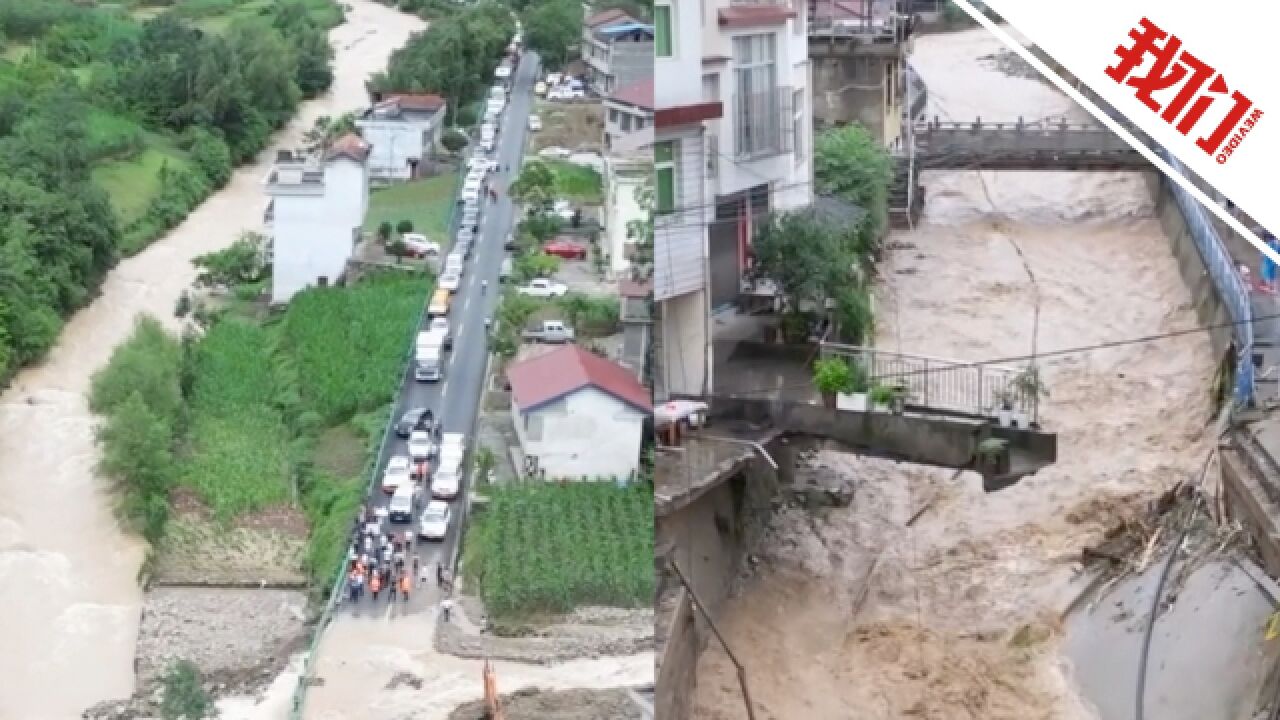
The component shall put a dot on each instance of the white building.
(733, 140)
(625, 179)
(628, 118)
(578, 415)
(315, 215)
(403, 129)
(617, 50)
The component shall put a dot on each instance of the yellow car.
(540, 89)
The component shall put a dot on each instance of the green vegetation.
(184, 695)
(349, 345)
(239, 415)
(427, 204)
(140, 393)
(836, 375)
(536, 185)
(552, 28)
(577, 183)
(115, 125)
(454, 57)
(542, 548)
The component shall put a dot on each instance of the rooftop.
(546, 378)
(349, 146)
(608, 16)
(393, 105)
(639, 94)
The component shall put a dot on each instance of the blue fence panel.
(1223, 273)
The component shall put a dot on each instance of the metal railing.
(975, 389)
(1226, 278)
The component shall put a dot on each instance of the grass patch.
(577, 183)
(132, 183)
(349, 344)
(428, 204)
(215, 16)
(341, 450)
(238, 443)
(542, 548)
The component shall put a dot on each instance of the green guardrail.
(326, 615)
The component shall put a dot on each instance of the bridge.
(1008, 146)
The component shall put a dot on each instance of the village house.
(628, 123)
(578, 415)
(403, 128)
(315, 215)
(617, 50)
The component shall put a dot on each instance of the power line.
(1052, 353)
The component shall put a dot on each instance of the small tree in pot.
(835, 376)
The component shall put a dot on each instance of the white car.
(434, 524)
(400, 509)
(471, 190)
(439, 324)
(419, 245)
(556, 153)
(535, 123)
(563, 210)
(444, 486)
(487, 145)
(450, 281)
(543, 288)
(553, 79)
(397, 472)
(420, 447)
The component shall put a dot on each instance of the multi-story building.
(315, 215)
(733, 141)
(403, 128)
(617, 50)
(628, 117)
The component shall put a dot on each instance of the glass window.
(662, 31)
(664, 154)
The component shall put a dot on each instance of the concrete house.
(578, 415)
(315, 215)
(403, 129)
(617, 50)
(628, 118)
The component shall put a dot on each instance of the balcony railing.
(763, 123)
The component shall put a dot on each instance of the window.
(664, 161)
(711, 87)
(662, 31)
(798, 125)
(756, 107)
(613, 115)
(626, 123)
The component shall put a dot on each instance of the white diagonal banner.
(1192, 80)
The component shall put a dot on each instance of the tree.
(536, 265)
(404, 226)
(454, 140)
(640, 232)
(851, 165)
(328, 129)
(552, 27)
(242, 262)
(536, 184)
(384, 230)
(137, 454)
(803, 255)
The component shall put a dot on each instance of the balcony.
(763, 124)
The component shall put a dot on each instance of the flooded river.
(69, 600)
(962, 617)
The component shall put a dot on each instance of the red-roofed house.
(403, 128)
(578, 415)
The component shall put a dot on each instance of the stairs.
(906, 197)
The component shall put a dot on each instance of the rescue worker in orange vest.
(375, 584)
(405, 585)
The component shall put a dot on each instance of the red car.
(565, 249)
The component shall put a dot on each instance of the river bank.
(965, 589)
(72, 603)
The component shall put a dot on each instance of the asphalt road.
(455, 399)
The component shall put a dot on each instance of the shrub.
(404, 226)
(835, 375)
(136, 453)
(454, 140)
(384, 231)
(149, 364)
(184, 695)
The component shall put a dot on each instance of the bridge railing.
(975, 389)
(1020, 136)
(1226, 278)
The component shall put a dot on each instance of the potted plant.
(992, 456)
(1004, 411)
(834, 376)
(1029, 385)
(891, 397)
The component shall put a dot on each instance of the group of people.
(379, 562)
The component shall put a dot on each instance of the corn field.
(550, 548)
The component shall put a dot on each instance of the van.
(454, 263)
(504, 274)
(471, 190)
(400, 509)
(439, 303)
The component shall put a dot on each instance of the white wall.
(679, 77)
(686, 352)
(311, 241)
(588, 433)
(621, 207)
(394, 144)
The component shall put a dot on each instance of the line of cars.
(430, 472)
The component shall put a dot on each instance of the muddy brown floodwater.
(961, 620)
(69, 599)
